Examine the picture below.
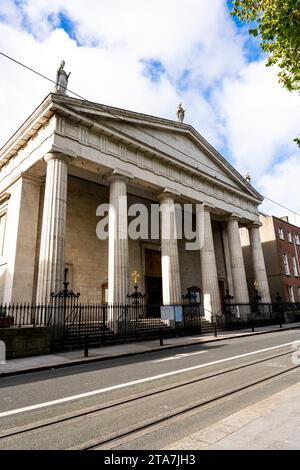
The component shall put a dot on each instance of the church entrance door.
(153, 280)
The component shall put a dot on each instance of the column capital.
(233, 217)
(168, 193)
(30, 177)
(208, 206)
(255, 224)
(58, 156)
(119, 175)
(23, 175)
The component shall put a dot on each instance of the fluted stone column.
(169, 251)
(259, 266)
(210, 285)
(118, 240)
(240, 288)
(227, 260)
(52, 248)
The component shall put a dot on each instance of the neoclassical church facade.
(69, 157)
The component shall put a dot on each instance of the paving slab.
(271, 424)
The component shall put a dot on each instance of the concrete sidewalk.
(69, 358)
(271, 424)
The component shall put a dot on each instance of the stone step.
(143, 325)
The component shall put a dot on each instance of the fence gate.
(64, 315)
(192, 313)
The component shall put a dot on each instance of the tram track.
(134, 429)
(117, 439)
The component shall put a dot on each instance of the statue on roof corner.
(62, 79)
(180, 113)
(248, 177)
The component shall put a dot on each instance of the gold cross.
(255, 285)
(135, 277)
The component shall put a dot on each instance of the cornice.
(29, 124)
(4, 197)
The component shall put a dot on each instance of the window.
(286, 265)
(298, 294)
(3, 211)
(290, 239)
(295, 268)
(291, 294)
(2, 232)
(281, 234)
(297, 239)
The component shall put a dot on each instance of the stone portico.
(71, 156)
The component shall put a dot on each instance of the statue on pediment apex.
(62, 79)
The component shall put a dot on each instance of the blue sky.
(63, 21)
(148, 56)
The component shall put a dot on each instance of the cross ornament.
(135, 277)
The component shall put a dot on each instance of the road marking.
(139, 381)
(178, 356)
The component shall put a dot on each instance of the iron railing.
(243, 315)
(70, 322)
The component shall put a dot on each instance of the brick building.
(281, 248)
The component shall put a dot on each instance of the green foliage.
(278, 25)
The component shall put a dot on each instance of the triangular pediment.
(182, 147)
(180, 142)
(173, 144)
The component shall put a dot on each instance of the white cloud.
(260, 117)
(235, 105)
(183, 36)
(282, 184)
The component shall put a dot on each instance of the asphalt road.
(36, 397)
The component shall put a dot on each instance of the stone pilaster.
(259, 266)
(169, 251)
(118, 240)
(210, 286)
(21, 238)
(51, 259)
(240, 288)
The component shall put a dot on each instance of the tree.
(277, 22)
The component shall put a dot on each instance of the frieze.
(83, 135)
(202, 183)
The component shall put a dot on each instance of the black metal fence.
(71, 322)
(259, 314)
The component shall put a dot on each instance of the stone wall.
(25, 341)
(190, 267)
(85, 255)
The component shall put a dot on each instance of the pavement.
(270, 424)
(71, 358)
